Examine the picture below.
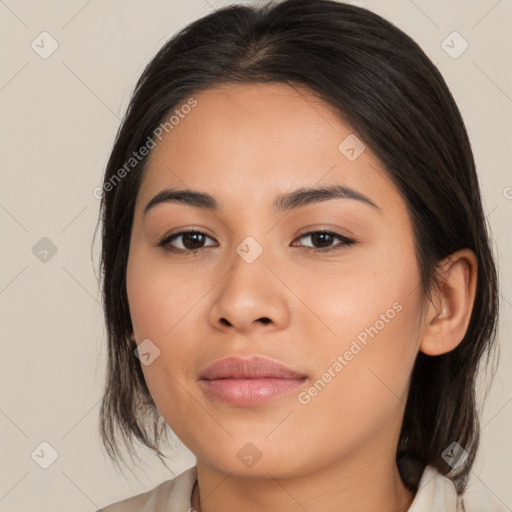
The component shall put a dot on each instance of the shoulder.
(437, 492)
(169, 496)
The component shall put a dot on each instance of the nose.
(250, 297)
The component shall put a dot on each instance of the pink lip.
(248, 382)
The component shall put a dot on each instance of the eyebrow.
(285, 202)
(306, 196)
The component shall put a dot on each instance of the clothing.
(436, 493)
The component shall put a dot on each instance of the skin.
(245, 145)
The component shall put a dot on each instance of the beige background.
(60, 116)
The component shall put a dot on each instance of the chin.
(255, 459)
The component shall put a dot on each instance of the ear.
(447, 317)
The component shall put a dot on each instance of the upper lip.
(253, 367)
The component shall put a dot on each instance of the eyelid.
(343, 238)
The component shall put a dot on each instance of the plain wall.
(60, 115)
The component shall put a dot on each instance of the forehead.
(252, 140)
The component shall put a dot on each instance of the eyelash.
(165, 242)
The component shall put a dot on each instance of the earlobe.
(449, 313)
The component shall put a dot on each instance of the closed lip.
(252, 367)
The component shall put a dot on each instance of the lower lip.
(250, 392)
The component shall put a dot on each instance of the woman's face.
(259, 282)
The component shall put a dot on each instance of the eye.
(193, 241)
(185, 241)
(321, 241)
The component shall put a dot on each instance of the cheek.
(161, 296)
(164, 306)
(160, 301)
(352, 295)
(362, 372)
(370, 315)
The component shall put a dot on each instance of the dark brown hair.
(383, 85)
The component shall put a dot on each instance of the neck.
(351, 486)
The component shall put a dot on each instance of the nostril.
(264, 320)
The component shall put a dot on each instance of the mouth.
(248, 382)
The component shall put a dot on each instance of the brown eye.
(323, 240)
(185, 241)
(192, 240)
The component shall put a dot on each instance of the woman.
(297, 273)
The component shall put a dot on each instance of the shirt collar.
(435, 492)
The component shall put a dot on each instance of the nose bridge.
(249, 292)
